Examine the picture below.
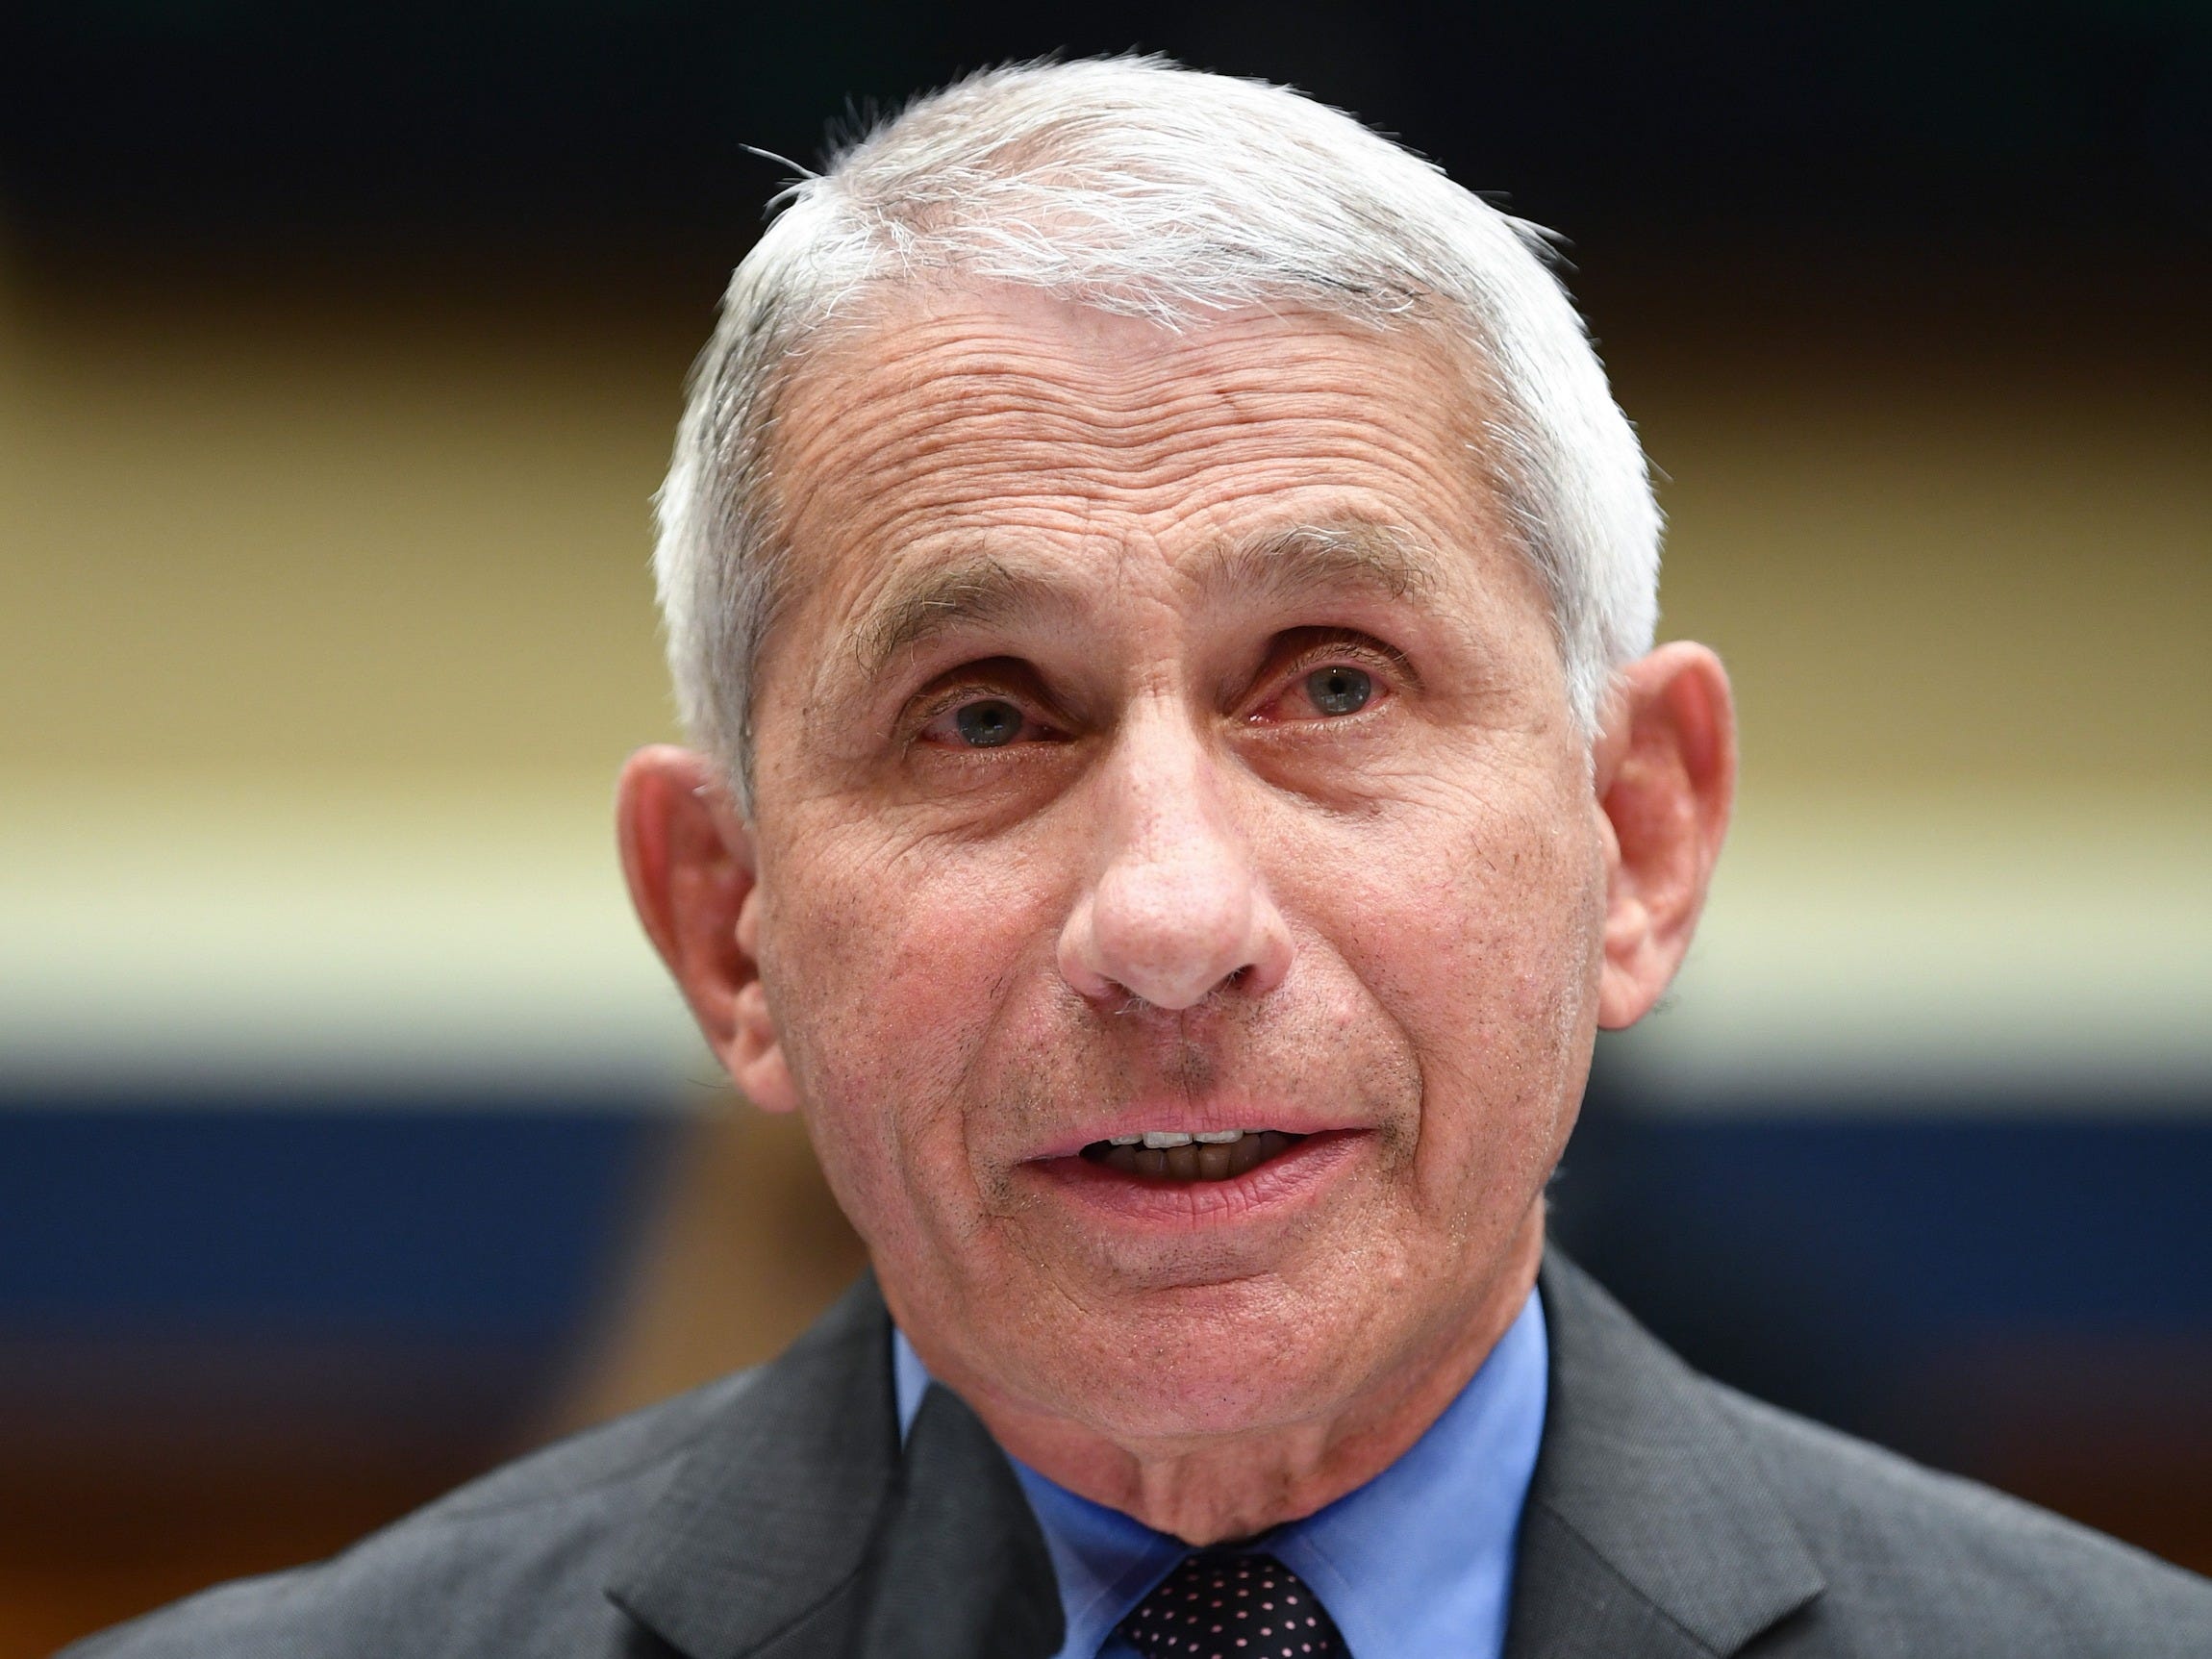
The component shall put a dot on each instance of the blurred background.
(349, 1137)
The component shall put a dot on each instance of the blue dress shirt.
(1417, 1563)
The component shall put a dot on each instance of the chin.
(1200, 1377)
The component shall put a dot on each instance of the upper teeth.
(1160, 1140)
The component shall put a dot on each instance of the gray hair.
(1144, 189)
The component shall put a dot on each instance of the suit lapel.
(797, 1528)
(961, 1571)
(1649, 1530)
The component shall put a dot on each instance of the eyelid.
(980, 677)
(934, 703)
(1339, 645)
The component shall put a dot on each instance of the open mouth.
(1171, 1155)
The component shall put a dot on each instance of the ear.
(689, 857)
(1665, 771)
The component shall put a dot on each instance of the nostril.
(1168, 980)
(1078, 957)
(1177, 912)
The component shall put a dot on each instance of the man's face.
(1165, 736)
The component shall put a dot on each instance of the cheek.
(886, 969)
(1478, 936)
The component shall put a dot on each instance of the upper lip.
(1192, 1120)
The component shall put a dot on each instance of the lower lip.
(1290, 1179)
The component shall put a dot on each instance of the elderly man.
(1162, 596)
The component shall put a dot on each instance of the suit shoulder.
(512, 1563)
(1907, 1550)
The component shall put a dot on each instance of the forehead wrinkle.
(1127, 402)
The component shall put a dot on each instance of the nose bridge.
(1176, 904)
(1165, 808)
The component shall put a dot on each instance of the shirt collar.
(1417, 1561)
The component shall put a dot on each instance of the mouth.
(1168, 1182)
(1179, 1157)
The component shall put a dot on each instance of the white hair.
(1144, 189)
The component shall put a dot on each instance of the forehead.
(952, 425)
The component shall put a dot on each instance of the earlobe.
(1666, 780)
(688, 855)
(755, 1055)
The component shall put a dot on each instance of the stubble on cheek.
(1490, 956)
(877, 1040)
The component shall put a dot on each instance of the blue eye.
(1340, 690)
(987, 724)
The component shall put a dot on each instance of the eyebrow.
(1290, 561)
(1281, 562)
(972, 593)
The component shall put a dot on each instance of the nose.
(1177, 908)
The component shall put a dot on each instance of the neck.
(1211, 1487)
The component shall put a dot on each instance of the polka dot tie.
(1220, 1606)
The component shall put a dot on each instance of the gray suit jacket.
(774, 1515)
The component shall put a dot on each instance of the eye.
(982, 722)
(987, 724)
(1339, 688)
(1331, 678)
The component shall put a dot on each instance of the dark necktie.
(1221, 1606)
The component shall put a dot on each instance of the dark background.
(2058, 124)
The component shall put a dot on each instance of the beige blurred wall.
(1952, 529)
(261, 527)
(327, 625)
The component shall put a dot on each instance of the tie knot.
(1218, 1605)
